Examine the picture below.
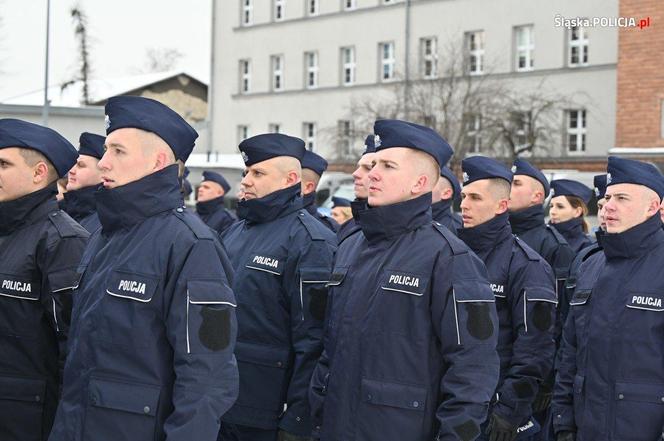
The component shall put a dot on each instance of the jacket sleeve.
(465, 321)
(307, 293)
(202, 329)
(58, 262)
(563, 391)
(532, 301)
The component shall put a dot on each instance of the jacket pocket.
(21, 408)
(474, 311)
(639, 413)
(540, 308)
(132, 286)
(120, 411)
(263, 373)
(387, 407)
(20, 308)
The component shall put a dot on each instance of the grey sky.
(121, 31)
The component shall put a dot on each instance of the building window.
(387, 61)
(475, 48)
(309, 129)
(242, 133)
(429, 57)
(525, 48)
(520, 128)
(277, 73)
(349, 5)
(245, 76)
(279, 9)
(345, 136)
(347, 66)
(274, 128)
(311, 69)
(576, 131)
(312, 7)
(578, 46)
(247, 12)
(473, 132)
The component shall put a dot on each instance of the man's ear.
(292, 178)
(161, 160)
(503, 205)
(421, 185)
(40, 173)
(309, 186)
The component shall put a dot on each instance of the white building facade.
(296, 66)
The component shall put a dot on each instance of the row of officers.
(124, 317)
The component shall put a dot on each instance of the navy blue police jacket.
(153, 325)
(282, 258)
(40, 248)
(309, 201)
(410, 342)
(215, 215)
(523, 285)
(528, 225)
(82, 207)
(443, 214)
(572, 231)
(610, 381)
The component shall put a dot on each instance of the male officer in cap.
(523, 285)
(84, 181)
(282, 258)
(153, 327)
(412, 326)
(360, 188)
(609, 382)
(313, 166)
(446, 191)
(40, 247)
(210, 205)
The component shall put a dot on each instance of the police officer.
(529, 190)
(40, 247)
(446, 191)
(567, 211)
(313, 166)
(153, 328)
(282, 258)
(210, 205)
(412, 326)
(609, 383)
(599, 182)
(341, 210)
(523, 285)
(84, 181)
(360, 188)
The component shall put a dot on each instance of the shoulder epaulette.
(311, 224)
(456, 244)
(197, 226)
(66, 226)
(530, 253)
(559, 237)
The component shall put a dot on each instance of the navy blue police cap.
(314, 162)
(152, 116)
(568, 187)
(216, 177)
(340, 202)
(476, 168)
(60, 152)
(91, 144)
(369, 146)
(396, 133)
(522, 167)
(599, 182)
(446, 173)
(629, 171)
(270, 145)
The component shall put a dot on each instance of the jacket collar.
(389, 221)
(130, 204)
(357, 207)
(442, 208)
(635, 242)
(209, 207)
(527, 219)
(270, 207)
(26, 209)
(81, 203)
(570, 229)
(487, 235)
(309, 203)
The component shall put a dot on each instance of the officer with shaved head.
(609, 382)
(282, 258)
(410, 344)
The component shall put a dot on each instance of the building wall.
(640, 77)
(591, 87)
